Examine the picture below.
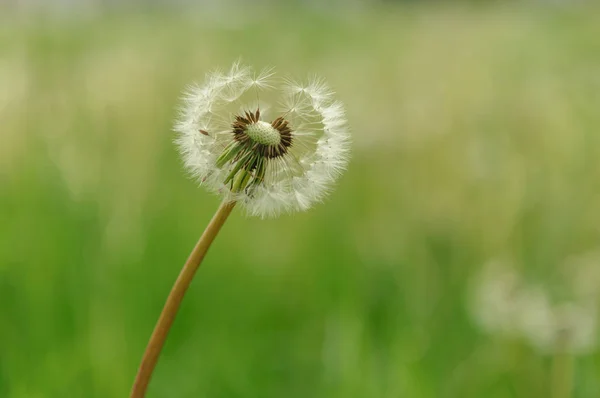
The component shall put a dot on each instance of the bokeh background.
(476, 131)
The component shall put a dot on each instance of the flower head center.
(267, 140)
(254, 144)
(263, 133)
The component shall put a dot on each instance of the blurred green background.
(476, 135)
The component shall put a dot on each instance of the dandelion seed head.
(493, 299)
(506, 305)
(273, 145)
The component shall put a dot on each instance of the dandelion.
(273, 146)
(503, 303)
(493, 298)
(570, 329)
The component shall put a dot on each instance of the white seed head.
(504, 304)
(567, 327)
(272, 147)
(576, 328)
(493, 299)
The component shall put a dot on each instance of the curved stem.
(167, 316)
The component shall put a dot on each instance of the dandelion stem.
(562, 371)
(167, 316)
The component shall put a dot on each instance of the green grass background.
(476, 135)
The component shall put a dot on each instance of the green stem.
(167, 316)
(563, 366)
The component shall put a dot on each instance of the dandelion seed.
(269, 157)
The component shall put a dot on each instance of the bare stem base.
(167, 316)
